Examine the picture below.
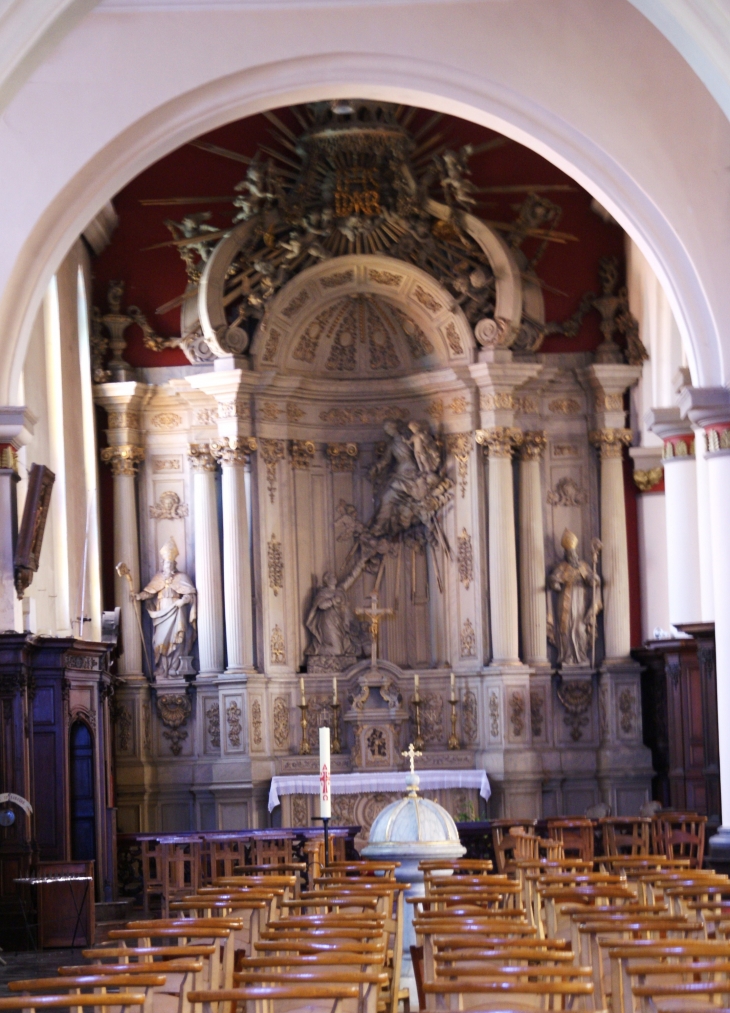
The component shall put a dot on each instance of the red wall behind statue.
(155, 276)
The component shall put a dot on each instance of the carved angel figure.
(173, 614)
(578, 592)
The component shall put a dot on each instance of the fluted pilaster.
(207, 561)
(232, 455)
(532, 551)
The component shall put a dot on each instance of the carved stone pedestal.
(376, 715)
(623, 762)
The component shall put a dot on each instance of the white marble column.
(123, 460)
(680, 485)
(532, 551)
(615, 555)
(207, 561)
(236, 553)
(499, 443)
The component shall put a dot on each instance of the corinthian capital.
(230, 452)
(533, 445)
(499, 441)
(123, 459)
(610, 443)
(201, 457)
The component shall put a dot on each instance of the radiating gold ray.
(191, 241)
(428, 125)
(282, 127)
(163, 201)
(215, 149)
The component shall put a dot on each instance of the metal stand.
(453, 742)
(304, 749)
(336, 744)
(325, 821)
(418, 743)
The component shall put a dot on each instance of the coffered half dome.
(362, 317)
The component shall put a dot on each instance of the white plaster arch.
(684, 247)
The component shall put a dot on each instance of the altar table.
(357, 784)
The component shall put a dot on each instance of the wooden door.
(83, 814)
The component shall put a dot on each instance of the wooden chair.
(276, 998)
(576, 836)
(624, 954)
(98, 984)
(127, 1000)
(530, 986)
(625, 835)
(503, 843)
(683, 836)
(272, 847)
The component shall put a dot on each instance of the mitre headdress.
(569, 540)
(169, 550)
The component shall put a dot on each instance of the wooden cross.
(373, 615)
(412, 753)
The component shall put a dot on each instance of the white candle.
(334, 689)
(325, 798)
(301, 690)
(453, 687)
(415, 686)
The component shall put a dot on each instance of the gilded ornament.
(715, 439)
(294, 413)
(565, 450)
(387, 278)
(576, 697)
(174, 711)
(491, 402)
(302, 454)
(459, 446)
(234, 410)
(269, 411)
(453, 339)
(213, 714)
(494, 714)
(299, 300)
(567, 493)
(459, 405)
(565, 406)
(468, 640)
(256, 723)
(469, 717)
(272, 452)
(499, 441)
(686, 447)
(645, 481)
(533, 445)
(432, 712)
(610, 442)
(342, 456)
(166, 420)
(418, 344)
(426, 299)
(536, 716)
(271, 347)
(123, 420)
(123, 459)
(169, 507)
(275, 565)
(627, 710)
(236, 451)
(206, 416)
(465, 559)
(276, 647)
(337, 279)
(235, 728)
(435, 410)
(517, 712)
(160, 464)
(364, 416)
(609, 402)
(200, 457)
(281, 721)
(527, 405)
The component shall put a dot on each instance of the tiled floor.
(29, 964)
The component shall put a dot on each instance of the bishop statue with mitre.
(578, 586)
(173, 615)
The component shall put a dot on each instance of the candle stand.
(418, 742)
(453, 742)
(336, 744)
(304, 749)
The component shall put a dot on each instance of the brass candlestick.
(305, 749)
(453, 742)
(336, 745)
(418, 743)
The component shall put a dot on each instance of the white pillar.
(124, 459)
(680, 485)
(236, 553)
(615, 555)
(532, 551)
(704, 533)
(207, 561)
(499, 443)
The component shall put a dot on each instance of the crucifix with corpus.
(373, 615)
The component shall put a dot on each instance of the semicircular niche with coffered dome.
(362, 317)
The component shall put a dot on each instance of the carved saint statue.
(578, 587)
(173, 615)
(335, 632)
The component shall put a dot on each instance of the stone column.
(232, 455)
(499, 443)
(207, 561)
(680, 485)
(615, 554)
(532, 551)
(124, 459)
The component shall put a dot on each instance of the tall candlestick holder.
(418, 743)
(336, 746)
(304, 749)
(453, 742)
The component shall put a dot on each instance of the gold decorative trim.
(646, 480)
(499, 441)
(123, 459)
(610, 442)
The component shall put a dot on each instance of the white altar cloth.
(356, 784)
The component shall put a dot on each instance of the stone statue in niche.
(572, 626)
(173, 615)
(335, 633)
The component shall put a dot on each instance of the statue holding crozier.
(172, 600)
(577, 587)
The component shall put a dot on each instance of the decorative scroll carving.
(166, 464)
(230, 452)
(567, 493)
(206, 417)
(536, 716)
(201, 458)
(432, 717)
(272, 452)
(610, 442)
(468, 640)
(174, 710)
(533, 445)
(281, 723)
(609, 402)
(123, 726)
(499, 441)
(469, 717)
(492, 402)
(294, 413)
(517, 712)
(302, 453)
(269, 411)
(494, 714)
(459, 405)
(342, 456)
(565, 406)
(125, 420)
(459, 446)
(276, 647)
(256, 723)
(627, 710)
(123, 459)
(213, 714)
(235, 728)
(166, 420)
(169, 507)
(275, 561)
(364, 416)
(576, 697)
(435, 410)
(465, 559)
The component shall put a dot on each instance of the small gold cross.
(412, 753)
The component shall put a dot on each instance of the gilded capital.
(231, 452)
(610, 442)
(201, 457)
(533, 445)
(123, 459)
(499, 441)
(342, 456)
(302, 453)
